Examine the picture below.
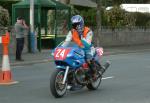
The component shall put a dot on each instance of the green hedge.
(114, 18)
(142, 19)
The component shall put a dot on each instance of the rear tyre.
(95, 82)
(57, 88)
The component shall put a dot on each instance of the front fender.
(60, 67)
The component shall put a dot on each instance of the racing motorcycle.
(73, 70)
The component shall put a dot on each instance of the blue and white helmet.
(77, 23)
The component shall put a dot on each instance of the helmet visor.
(75, 25)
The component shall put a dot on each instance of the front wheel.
(57, 88)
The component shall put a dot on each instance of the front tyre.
(57, 88)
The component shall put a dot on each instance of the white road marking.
(107, 77)
(18, 66)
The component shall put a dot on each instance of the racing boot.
(92, 70)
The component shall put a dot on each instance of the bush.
(115, 17)
(142, 19)
(4, 17)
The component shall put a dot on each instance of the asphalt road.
(126, 81)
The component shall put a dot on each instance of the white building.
(143, 8)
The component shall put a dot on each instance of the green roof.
(42, 3)
(9, 0)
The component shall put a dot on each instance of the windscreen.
(67, 44)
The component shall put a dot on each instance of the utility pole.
(98, 21)
(67, 1)
(32, 15)
(32, 33)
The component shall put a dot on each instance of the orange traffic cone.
(5, 73)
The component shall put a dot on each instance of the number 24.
(60, 52)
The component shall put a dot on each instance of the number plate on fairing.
(61, 53)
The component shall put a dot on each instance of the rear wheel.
(57, 88)
(96, 80)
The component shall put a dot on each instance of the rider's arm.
(88, 39)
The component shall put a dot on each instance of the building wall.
(124, 37)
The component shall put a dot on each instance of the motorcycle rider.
(82, 36)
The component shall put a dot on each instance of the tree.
(107, 3)
(4, 17)
(104, 3)
(98, 21)
(68, 2)
(117, 18)
(117, 2)
(135, 1)
(7, 4)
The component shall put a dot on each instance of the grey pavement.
(45, 55)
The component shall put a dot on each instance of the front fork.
(65, 76)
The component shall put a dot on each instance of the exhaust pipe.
(105, 67)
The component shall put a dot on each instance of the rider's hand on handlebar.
(82, 46)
